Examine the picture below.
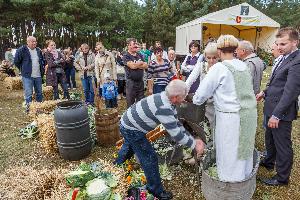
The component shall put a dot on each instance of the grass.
(17, 152)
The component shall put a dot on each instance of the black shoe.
(263, 164)
(273, 182)
(165, 195)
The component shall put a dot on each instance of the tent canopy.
(243, 21)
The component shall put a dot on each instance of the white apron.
(230, 169)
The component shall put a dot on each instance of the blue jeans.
(32, 83)
(137, 143)
(158, 88)
(70, 75)
(88, 88)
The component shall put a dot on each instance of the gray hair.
(211, 48)
(171, 51)
(176, 88)
(29, 38)
(246, 45)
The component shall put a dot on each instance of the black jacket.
(281, 95)
(23, 61)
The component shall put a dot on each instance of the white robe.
(219, 83)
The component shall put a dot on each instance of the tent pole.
(255, 39)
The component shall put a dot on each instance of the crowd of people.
(227, 77)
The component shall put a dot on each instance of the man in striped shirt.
(143, 117)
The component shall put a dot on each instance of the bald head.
(31, 42)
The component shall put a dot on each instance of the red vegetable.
(74, 194)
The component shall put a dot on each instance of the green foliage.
(265, 56)
(79, 178)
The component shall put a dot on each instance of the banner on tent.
(244, 20)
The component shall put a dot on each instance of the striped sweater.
(161, 74)
(153, 110)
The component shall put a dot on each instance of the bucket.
(191, 112)
(72, 130)
(107, 126)
(214, 189)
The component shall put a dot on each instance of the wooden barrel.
(107, 127)
(72, 130)
(214, 189)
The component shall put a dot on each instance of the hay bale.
(37, 108)
(47, 132)
(13, 83)
(26, 182)
(3, 76)
(47, 93)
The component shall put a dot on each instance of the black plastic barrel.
(72, 130)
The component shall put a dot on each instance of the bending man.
(143, 117)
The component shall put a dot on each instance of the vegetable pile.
(99, 180)
(30, 131)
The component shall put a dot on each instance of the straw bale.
(3, 76)
(13, 83)
(47, 93)
(47, 133)
(37, 108)
(26, 182)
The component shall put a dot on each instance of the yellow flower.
(129, 167)
(128, 178)
(143, 178)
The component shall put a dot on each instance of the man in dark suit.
(281, 107)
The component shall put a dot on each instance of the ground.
(17, 152)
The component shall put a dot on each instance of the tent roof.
(229, 16)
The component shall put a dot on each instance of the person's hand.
(273, 122)
(259, 96)
(199, 148)
(150, 91)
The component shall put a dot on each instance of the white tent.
(243, 21)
